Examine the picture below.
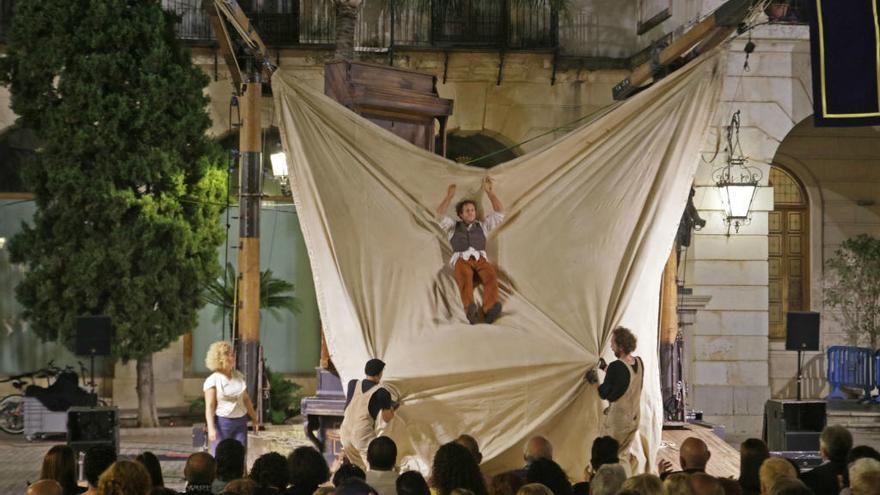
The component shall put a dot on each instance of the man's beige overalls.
(358, 427)
(622, 416)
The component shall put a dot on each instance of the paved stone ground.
(20, 460)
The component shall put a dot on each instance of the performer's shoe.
(472, 313)
(493, 313)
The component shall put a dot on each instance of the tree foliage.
(127, 192)
(853, 288)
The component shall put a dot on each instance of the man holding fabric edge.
(622, 388)
(367, 400)
(468, 239)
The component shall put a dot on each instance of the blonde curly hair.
(124, 477)
(219, 356)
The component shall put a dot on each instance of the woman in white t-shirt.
(227, 403)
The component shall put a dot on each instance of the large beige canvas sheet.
(590, 222)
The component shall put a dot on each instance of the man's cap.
(374, 367)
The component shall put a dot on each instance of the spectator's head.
(549, 474)
(752, 453)
(382, 454)
(471, 444)
(59, 464)
(220, 356)
(374, 368)
(125, 478)
(538, 447)
(355, 486)
(347, 471)
(604, 451)
(608, 479)
(270, 470)
(835, 443)
(861, 452)
(534, 489)
(694, 454)
(645, 484)
(45, 487)
(96, 461)
(455, 467)
(623, 341)
(466, 210)
(772, 469)
(790, 486)
(412, 483)
(241, 486)
(307, 468)
(678, 484)
(200, 469)
(704, 484)
(505, 484)
(864, 477)
(230, 459)
(151, 463)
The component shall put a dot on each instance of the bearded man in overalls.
(367, 401)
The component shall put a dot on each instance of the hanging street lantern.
(736, 181)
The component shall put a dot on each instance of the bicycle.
(12, 406)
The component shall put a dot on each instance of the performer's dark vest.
(463, 238)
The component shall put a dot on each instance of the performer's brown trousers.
(464, 277)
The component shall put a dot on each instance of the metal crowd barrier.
(852, 367)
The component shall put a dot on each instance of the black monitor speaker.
(91, 426)
(94, 335)
(802, 331)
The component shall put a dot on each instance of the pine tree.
(127, 195)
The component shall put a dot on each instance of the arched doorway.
(788, 249)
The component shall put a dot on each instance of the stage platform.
(724, 462)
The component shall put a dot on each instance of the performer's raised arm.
(450, 193)
(496, 203)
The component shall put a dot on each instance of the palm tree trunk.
(346, 18)
(148, 417)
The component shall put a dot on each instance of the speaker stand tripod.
(800, 374)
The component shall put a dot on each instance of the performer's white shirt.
(230, 393)
(488, 224)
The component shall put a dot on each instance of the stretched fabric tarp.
(589, 223)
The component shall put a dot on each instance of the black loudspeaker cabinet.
(801, 331)
(791, 425)
(94, 335)
(90, 426)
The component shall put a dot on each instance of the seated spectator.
(505, 484)
(412, 483)
(355, 486)
(537, 447)
(534, 489)
(96, 461)
(834, 445)
(125, 478)
(240, 486)
(307, 469)
(608, 479)
(59, 464)
(704, 484)
(381, 459)
(730, 486)
(347, 471)
(455, 467)
(678, 484)
(693, 456)
(199, 473)
(45, 487)
(752, 453)
(549, 474)
(229, 455)
(644, 484)
(790, 486)
(861, 452)
(604, 451)
(270, 471)
(471, 444)
(864, 477)
(773, 469)
(151, 463)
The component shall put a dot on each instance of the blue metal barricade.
(850, 367)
